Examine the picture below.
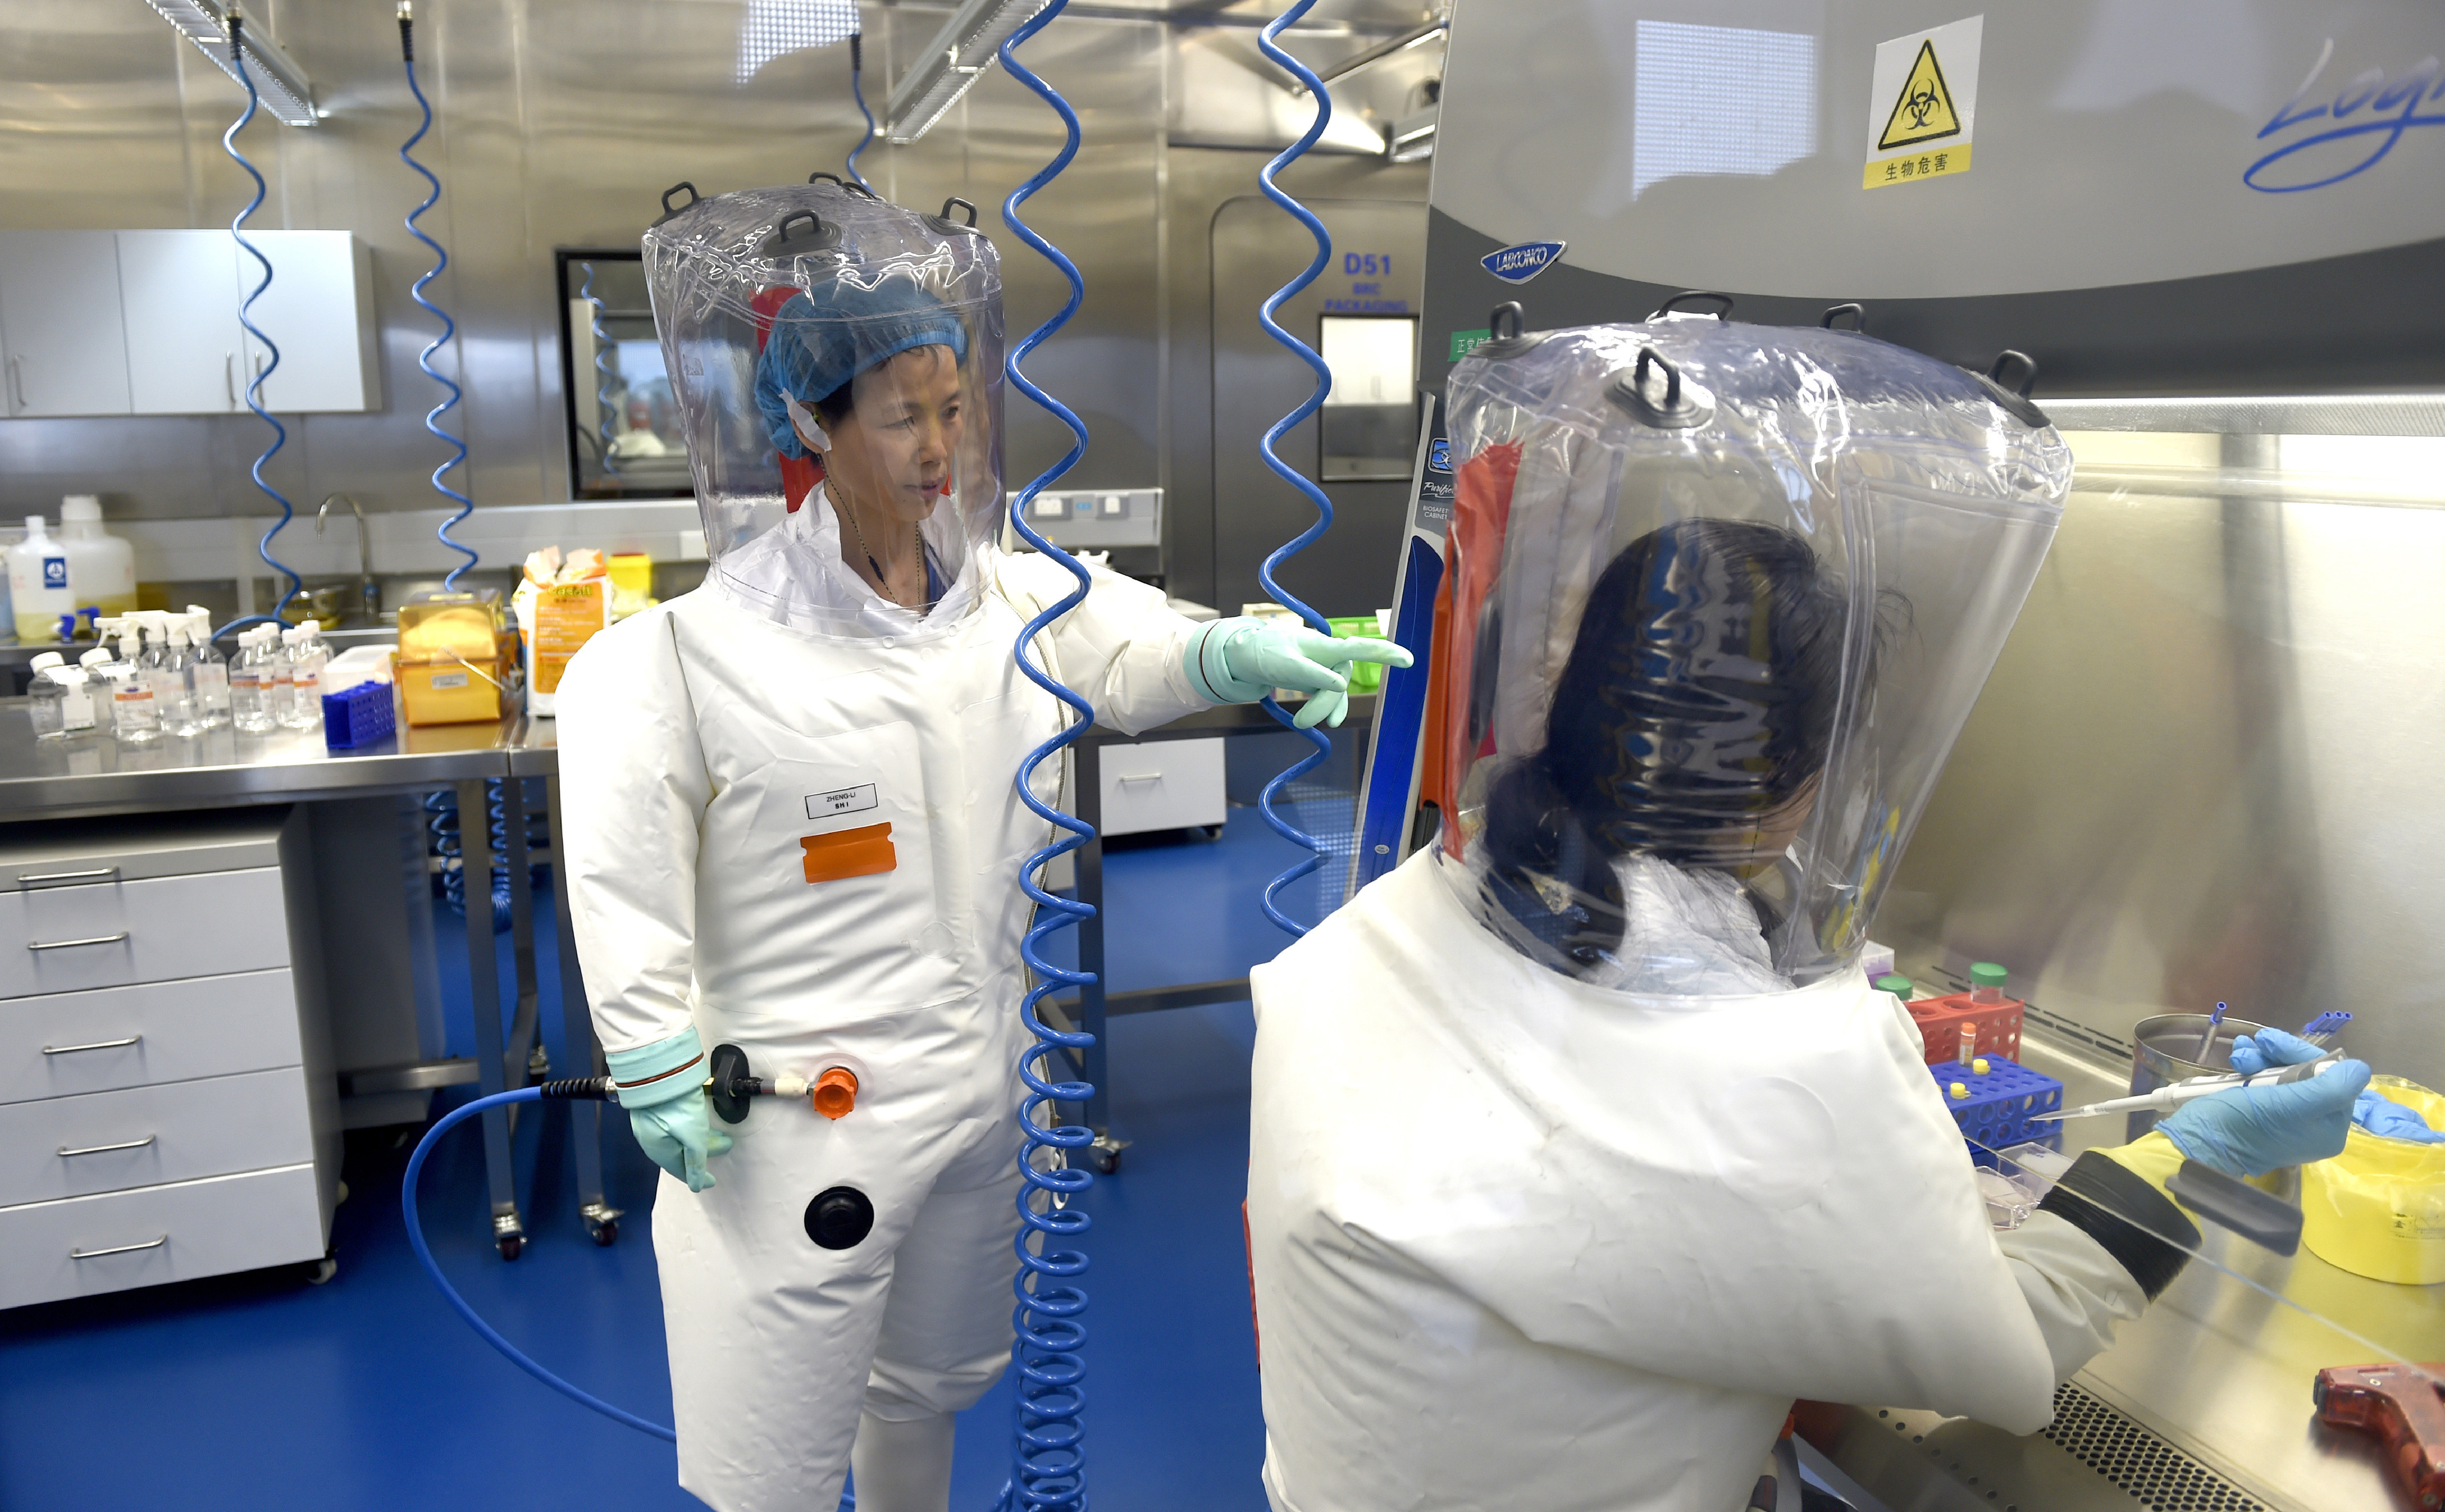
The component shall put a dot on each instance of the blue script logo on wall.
(1518, 264)
(2349, 134)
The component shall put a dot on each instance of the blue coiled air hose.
(449, 326)
(857, 92)
(1323, 746)
(1048, 1451)
(254, 385)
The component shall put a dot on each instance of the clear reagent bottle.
(45, 697)
(135, 719)
(208, 672)
(1987, 983)
(251, 683)
(306, 658)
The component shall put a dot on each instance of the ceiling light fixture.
(1378, 53)
(277, 79)
(951, 64)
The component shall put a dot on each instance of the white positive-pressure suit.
(1522, 1242)
(1581, 1147)
(701, 743)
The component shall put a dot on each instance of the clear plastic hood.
(838, 363)
(1720, 598)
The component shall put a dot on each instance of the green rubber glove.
(661, 1085)
(1239, 661)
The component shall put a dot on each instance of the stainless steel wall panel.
(2205, 767)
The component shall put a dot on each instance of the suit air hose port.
(730, 1084)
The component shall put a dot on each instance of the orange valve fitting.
(834, 1092)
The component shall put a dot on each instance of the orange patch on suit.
(862, 852)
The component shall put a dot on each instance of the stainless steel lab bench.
(94, 775)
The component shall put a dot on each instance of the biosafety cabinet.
(167, 1104)
(2211, 237)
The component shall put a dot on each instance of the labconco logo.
(1518, 264)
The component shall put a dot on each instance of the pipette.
(2166, 1098)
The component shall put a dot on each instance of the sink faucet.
(368, 591)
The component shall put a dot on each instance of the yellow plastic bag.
(2378, 1209)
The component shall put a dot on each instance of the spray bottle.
(208, 674)
(249, 684)
(306, 658)
(134, 717)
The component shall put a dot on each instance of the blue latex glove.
(2269, 1048)
(2250, 1131)
(2388, 1119)
(1239, 661)
(661, 1085)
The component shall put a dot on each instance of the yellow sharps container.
(2378, 1209)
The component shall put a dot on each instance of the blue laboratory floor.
(365, 1395)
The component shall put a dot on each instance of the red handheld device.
(2402, 1409)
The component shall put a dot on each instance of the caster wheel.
(1105, 1161)
(321, 1271)
(608, 1232)
(512, 1244)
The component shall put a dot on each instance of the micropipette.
(2166, 1098)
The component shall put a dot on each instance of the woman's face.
(894, 447)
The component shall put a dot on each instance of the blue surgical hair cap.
(820, 340)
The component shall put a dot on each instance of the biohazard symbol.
(1924, 112)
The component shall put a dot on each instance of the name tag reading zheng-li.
(841, 801)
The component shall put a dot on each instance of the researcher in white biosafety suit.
(792, 827)
(1581, 1147)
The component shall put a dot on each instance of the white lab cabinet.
(63, 343)
(320, 312)
(146, 323)
(179, 290)
(168, 1108)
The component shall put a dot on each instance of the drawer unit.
(1162, 784)
(167, 1103)
(181, 1131)
(109, 933)
(63, 1043)
(83, 1245)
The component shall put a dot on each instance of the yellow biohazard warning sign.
(1923, 101)
(1924, 110)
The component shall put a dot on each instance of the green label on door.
(1464, 343)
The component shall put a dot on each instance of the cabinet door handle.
(16, 384)
(36, 879)
(63, 945)
(1150, 777)
(117, 1249)
(229, 375)
(104, 1150)
(97, 1044)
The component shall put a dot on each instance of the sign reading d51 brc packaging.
(1922, 103)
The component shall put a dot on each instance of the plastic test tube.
(1968, 1043)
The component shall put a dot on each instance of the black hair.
(1697, 703)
